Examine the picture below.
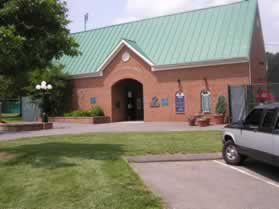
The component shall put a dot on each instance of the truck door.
(248, 133)
(257, 135)
(276, 142)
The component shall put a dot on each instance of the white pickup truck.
(256, 137)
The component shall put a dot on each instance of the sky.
(109, 12)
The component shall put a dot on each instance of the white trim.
(87, 75)
(155, 68)
(115, 52)
(201, 64)
(108, 60)
(139, 54)
(163, 67)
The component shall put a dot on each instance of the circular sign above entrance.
(125, 57)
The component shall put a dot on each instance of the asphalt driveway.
(212, 184)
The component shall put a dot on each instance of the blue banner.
(180, 102)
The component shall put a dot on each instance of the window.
(180, 102)
(277, 125)
(276, 131)
(205, 101)
(254, 119)
(269, 119)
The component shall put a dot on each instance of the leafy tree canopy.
(6, 88)
(56, 100)
(32, 34)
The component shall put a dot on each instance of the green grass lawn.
(10, 118)
(87, 171)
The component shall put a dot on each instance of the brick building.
(170, 67)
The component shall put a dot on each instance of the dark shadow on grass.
(52, 155)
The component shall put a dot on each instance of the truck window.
(269, 119)
(268, 122)
(276, 131)
(253, 120)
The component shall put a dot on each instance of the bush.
(95, 111)
(78, 113)
(221, 105)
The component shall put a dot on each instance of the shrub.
(221, 105)
(95, 111)
(77, 113)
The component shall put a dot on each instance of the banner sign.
(180, 102)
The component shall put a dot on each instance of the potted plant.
(203, 121)
(192, 120)
(220, 110)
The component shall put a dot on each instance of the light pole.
(44, 88)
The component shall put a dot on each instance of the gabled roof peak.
(166, 15)
(200, 36)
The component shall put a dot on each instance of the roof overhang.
(156, 68)
(201, 64)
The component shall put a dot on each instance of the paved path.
(212, 184)
(67, 128)
(174, 158)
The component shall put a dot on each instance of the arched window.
(205, 101)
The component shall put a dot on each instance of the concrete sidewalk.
(67, 128)
(174, 158)
(210, 184)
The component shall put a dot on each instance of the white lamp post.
(44, 87)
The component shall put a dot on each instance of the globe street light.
(44, 87)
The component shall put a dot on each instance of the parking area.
(212, 184)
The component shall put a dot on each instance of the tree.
(6, 88)
(273, 67)
(32, 34)
(56, 99)
(221, 105)
(13, 87)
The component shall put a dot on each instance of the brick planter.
(82, 120)
(203, 122)
(219, 119)
(18, 127)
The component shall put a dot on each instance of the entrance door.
(127, 101)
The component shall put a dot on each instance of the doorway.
(127, 101)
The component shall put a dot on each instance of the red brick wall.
(162, 84)
(258, 57)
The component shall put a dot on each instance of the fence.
(242, 99)
(11, 106)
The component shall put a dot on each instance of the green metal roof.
(216, 33)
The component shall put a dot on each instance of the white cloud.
(138, 9)
(275, 8)
(218, 2)
(124, 19)
(147, 8)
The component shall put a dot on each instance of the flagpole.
(84, 25)
(85, 21)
